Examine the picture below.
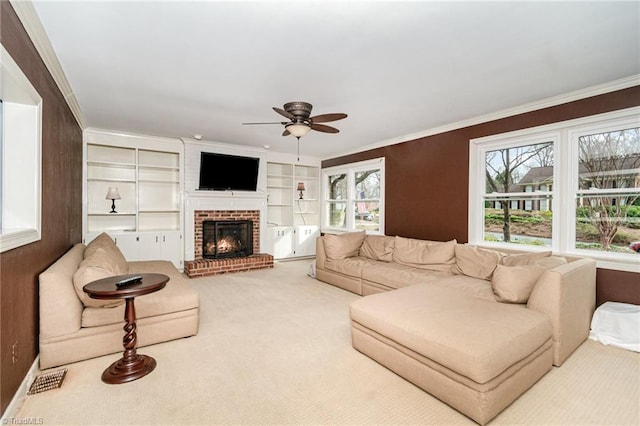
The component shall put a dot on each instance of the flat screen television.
(222, 172)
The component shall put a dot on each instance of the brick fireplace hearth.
(200, 267)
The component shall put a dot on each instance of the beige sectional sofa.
(473, 327)
(74, 327)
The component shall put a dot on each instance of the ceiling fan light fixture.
(298, 130)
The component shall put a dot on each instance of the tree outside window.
(608, 198)
(337, 200)
(517, 194)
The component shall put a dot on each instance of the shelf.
(111, 214)
(111, 164)
(279, 176)
(306, 212)
(159, 211)
(110, 180)
(156, 167)
(157, 181)
(278, 186)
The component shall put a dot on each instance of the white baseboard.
(15, 404)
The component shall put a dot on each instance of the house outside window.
(353, 197)
(577, 184)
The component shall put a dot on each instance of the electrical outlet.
(14, 353)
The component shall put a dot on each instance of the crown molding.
(32, 25)
(600, 89)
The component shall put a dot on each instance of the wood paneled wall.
(427, 180)
(61, 212)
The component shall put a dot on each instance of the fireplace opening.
(223, 239)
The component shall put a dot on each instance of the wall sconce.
(300, 189)
(113, 195)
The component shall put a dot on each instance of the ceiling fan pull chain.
(298, 147)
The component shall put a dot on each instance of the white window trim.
(21, 139)
(565, 185)
(350, 170)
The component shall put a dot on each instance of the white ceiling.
(180, 68)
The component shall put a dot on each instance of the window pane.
(608, 223)
(337, 187)
(525, 219)
(610, 160)
(367, 215)
(522, 169)
(528, 220)
(336, 214)
(368, 184)
(605, 219)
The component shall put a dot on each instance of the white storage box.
(617, 324)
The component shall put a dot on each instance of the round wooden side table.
(132, 365)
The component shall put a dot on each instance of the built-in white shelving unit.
(147, 173)
(293, 222)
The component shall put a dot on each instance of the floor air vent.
(47, 381)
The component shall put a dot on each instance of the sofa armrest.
(60, 307)
(567, 294)
(321, 254)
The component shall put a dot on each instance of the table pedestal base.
(123, 371)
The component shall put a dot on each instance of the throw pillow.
(514, 284)
(432, 255)
(475, 261)
(93, 268)
(523, 258)
(344, 245)
(378, 247)
(111, 253)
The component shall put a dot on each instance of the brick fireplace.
(202, 266)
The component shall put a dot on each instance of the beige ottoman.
(477, 356)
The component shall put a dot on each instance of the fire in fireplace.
(227, 238)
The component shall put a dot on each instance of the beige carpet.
(274, 348)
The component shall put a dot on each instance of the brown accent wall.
(427, 180)
(61, 212)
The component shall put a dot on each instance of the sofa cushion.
(475, 338)
(350, 266)
(95, 267)
(470, 286)
(378, 247)
(176, 296)
(395, 275)
(343, 245)
(424, 254)
(475, 261)
(513, 284)
(523, 258)
(111, 253)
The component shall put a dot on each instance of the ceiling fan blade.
(323, 128)
(271, 122)
(284, 113)
(325, 118)
(285, 133)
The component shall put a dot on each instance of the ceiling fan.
(299, 114)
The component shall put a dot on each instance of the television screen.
(221, 172)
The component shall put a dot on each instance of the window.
(20, 159)
(353, 197)
(573, 187)
(607, 189)
(516, 194)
